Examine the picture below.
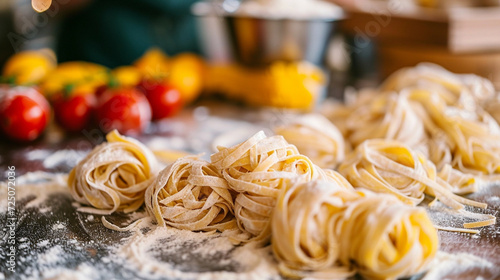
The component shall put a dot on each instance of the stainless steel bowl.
(256, 41)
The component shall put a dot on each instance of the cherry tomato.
(24, 113)
(73, 111)
(165, 99)
(124, 109)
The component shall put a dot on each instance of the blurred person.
(117, 32)
(6, 28)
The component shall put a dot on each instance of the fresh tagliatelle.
(387, 116)
(324, 231)
(257, 169)
(190, 194)
(393, 168)
(303, 237)
(462, 90)
(384, 238)
(468, 139)
(442, 114)
(113, 176)
(315, 137)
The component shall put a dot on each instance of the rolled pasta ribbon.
(257, 169)
(459, 182)
(315, 137)
(190, 194)
(384, 238)
(387, 116)
(439, 151)
(113, 176)
(390, 167)
(471, 137)
(455, 89)
(477, 144)
(303, 237)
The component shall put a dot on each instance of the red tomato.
(123, 109)
(74, 112)
(24, 113)
(165, 99)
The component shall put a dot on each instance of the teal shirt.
(117, 32)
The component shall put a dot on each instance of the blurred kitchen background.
(357, 43)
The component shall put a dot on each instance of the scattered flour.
(82, 272)
(145, 252)
(37, 154)
(154, 252)
(37, 184)
(64, 157)
(445, 264)
(58, 226)
(493, 201)
(53, 159)
(51, 257)
(43, 243)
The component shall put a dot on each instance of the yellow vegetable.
(284, 85)
(186, 74)
(154, 64)
(127, 75)
(85, 76)
(29, 67)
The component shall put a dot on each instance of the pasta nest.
(388, 116)
(384, 238)
(472, 137)
(315, 137)
(113, 176)
(464, 90)
(385, 166)
(325, 230)
(190, 194)
(257, 169)
(476, 147)
(303, 237)
(391, 167)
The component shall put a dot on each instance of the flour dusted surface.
(180, 254)
(54, 241)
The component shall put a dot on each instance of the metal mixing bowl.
(258, 41)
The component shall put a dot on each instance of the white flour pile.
(84, 249)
